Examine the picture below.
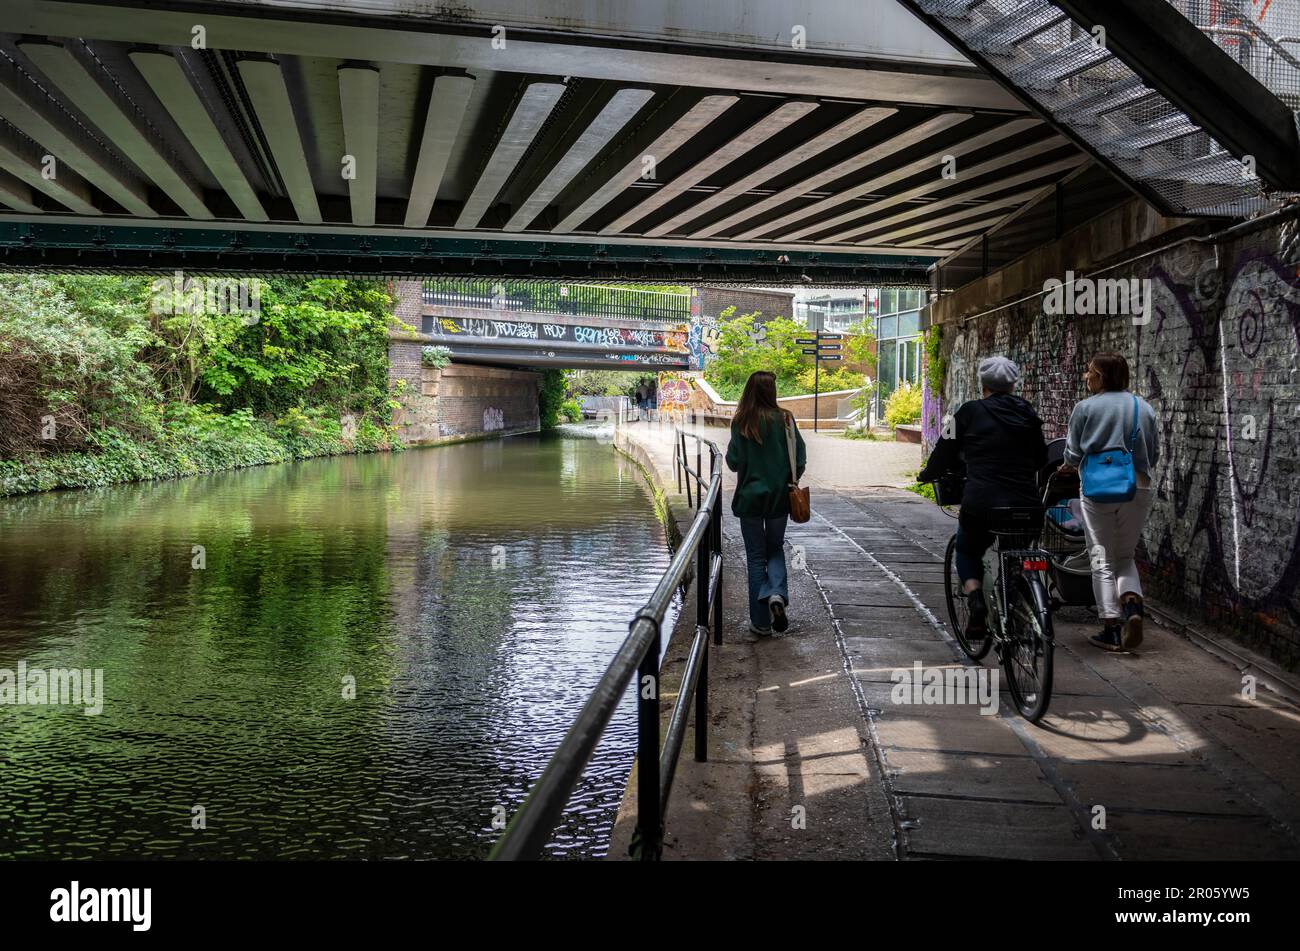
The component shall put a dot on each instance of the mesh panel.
(1263, 37)
(1055, 62)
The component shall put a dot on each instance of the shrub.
(903, 405)
(571, 410)
(550, 394)
(435, 356)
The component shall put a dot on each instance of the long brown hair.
(1113, 370)
(757, 403)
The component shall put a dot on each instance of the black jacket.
(1001, 440)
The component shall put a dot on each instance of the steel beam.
(932, 162)
(609, 122)
(757, 134)
(818, 144)
(86, 87)
(16, 194)
(960, 231)
(30, 111)
(24, 160)
(869, 156)
(265, 84)
(442, 122)
(525, 122)
(937, 183)
(44, 245)
(667, 142)
(860, 231)
(359, 104)
(171, 84)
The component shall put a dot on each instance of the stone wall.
(1217, 359)
(459, 401)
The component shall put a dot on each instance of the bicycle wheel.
(958, 611)
(1027, 650)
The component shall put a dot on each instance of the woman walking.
(759, 455)
(1103, 428)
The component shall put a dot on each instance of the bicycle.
(1019, 621)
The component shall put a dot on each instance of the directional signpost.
(822, 349)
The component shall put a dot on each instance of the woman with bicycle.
(760, 456)
(1000, 437)
(1114, 443)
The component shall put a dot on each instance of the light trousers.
(1112, 530)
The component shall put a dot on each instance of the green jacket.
(763, 470)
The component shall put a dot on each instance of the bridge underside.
(310, 137)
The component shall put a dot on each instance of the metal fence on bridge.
(577, 300)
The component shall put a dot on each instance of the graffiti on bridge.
(606, 337)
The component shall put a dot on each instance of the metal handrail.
(532, 826)
(572, 299)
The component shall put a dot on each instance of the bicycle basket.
(949, 488)
(1016, 527)
(1062, 532)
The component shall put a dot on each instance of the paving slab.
(977, 776)
(974, 829)
(1153, 838)
(1146, 786)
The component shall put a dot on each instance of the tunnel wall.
(459, 401)
(1217, 359)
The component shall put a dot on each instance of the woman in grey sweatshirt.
(1104, 421)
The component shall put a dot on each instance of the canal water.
(473, 593)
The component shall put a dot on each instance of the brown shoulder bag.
(800, 505)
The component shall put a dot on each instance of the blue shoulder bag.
(1109, 476)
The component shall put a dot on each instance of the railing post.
(649, 826)
(703, 563)
(716, 535)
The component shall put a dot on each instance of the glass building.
(898, 338)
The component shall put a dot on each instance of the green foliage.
(63, 373)
(571, 410)
(923, 489)
(136, 391)
(936, 367)
(550, 396)
(435, 356)
(860, 345)
(316, 342)
(603, 382)
(828, 381)
(740, 354)
(903, 405)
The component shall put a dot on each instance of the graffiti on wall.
(703, 341)
(1218, 363)
(674, 391)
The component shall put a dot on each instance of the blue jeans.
(765, 561)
